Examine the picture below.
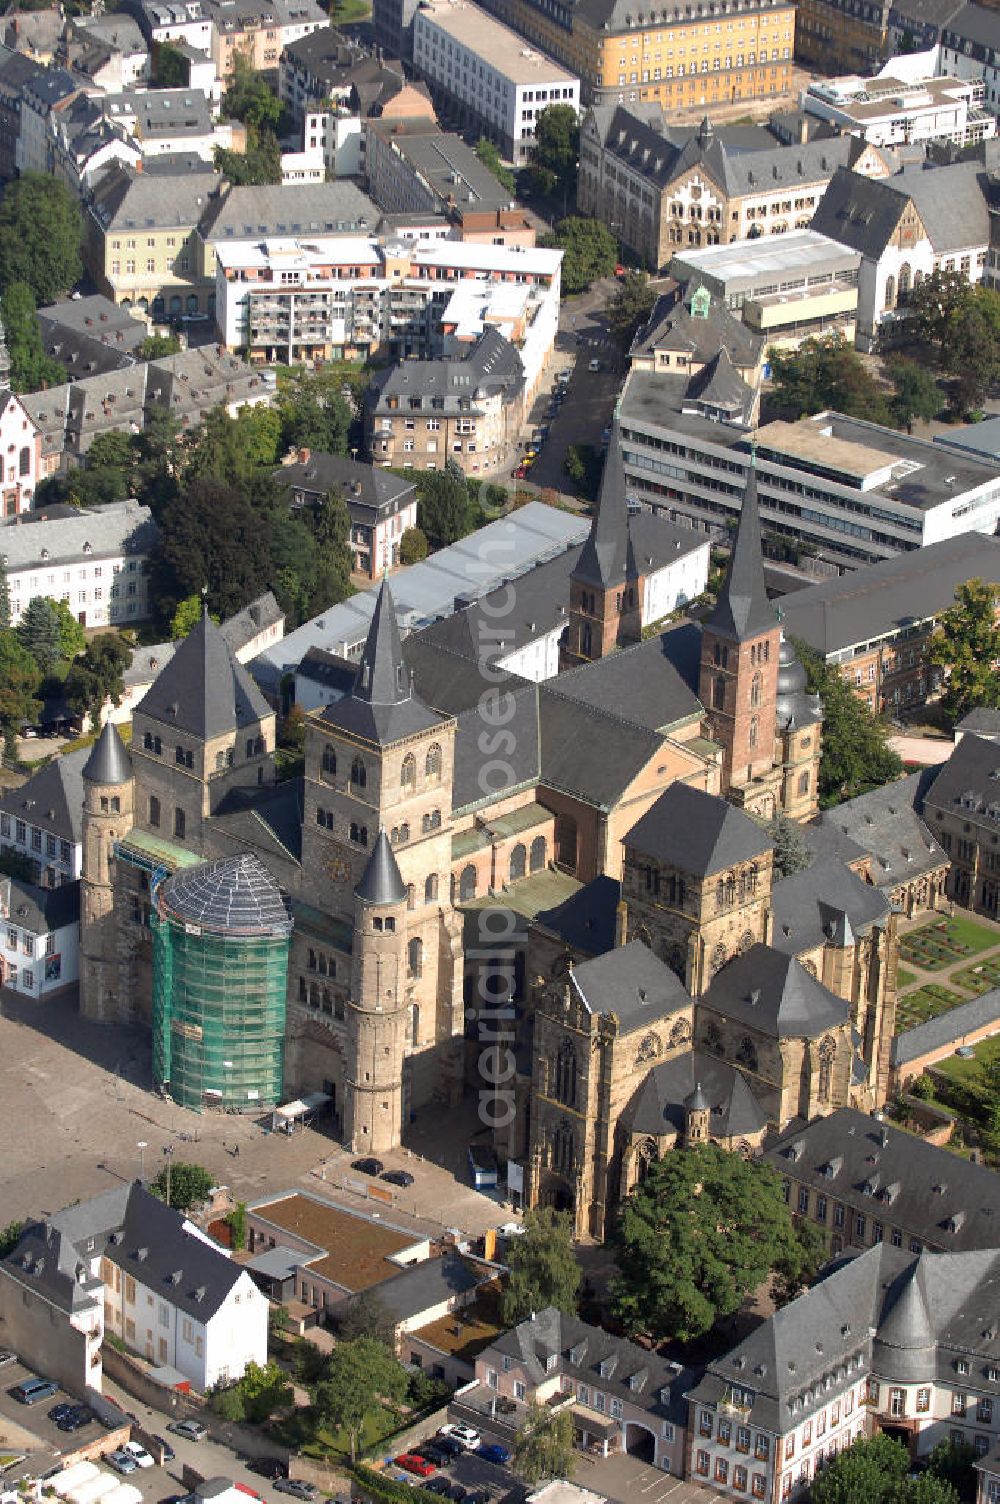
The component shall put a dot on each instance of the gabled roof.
(696, 832)
(40, 910)
(659, 1106)
(630, 982)
(607, 558)
(203, 690)
(699, 331)
(969, 780)
(774, 994)
(53, 797)
(381, 881)
(365, 488)
(743, 609)
(825, 904)
(155, 1246)
(886, 824)
(949, 1028)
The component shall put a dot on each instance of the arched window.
(329, 759)
(518, 862)
(905, 280)
(411, 896)
(713, 1036)
(827, 1055)
(890, 292)
(803, 783)
(431, 888)
(24, 464)
(720, 894)
(565, 1074)
(680, 1033)
(645, 1158)
(467, 884)
(718, 693)
(415, 958)
(754, 731)
(432, 763)
(563, 1149)
(536, 858)
(730, 890)
(404, 832)
(408, 771)
(359, 774)
(756, 689)
(415, 1024)
(719, 959)
(753, 875)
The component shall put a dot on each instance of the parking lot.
(480, 1479)
(628, 1480)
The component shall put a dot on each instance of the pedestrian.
(236, 1152)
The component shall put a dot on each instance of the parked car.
(192, 1429)
(169, 1454)
(397, 1177)
(595, 366)
(138, 1454)
(411, 1463)
(449, 1446)
(6, 1357)
(368, 1166)
(122, 1462)
(520, 471)
(432, 1452)
(458, 1492)
(33, 1391)
(58, 1411)
(479, 1496)
(297, 1487)
(439, 1486)
(74, 1418)
(466, 1436)
(268, 1467)
(492, 1451)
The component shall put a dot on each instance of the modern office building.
(895, 111)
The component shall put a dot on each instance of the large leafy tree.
(30, 367)
(876, 1470)
(20, 678)
(367, 1316)
(917, 394)
(444, 508)
(357, 1376)
(189, 1184)
(855, 750)
(258, 165)
(543, 1269)
(933, 303)
(701, 1233)
(314, 414)
(212, 536)
(556, 151)
(629, 307)
(824, 372)
(171, 69)
(255, 1397)
(250, 97)
(966, 644)
(97, 676)
(589, 252)
(40, 233)
(543, 1447)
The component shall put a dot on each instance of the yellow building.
(684, 56)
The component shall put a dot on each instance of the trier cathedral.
(666, 987)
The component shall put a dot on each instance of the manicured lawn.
(927, 1002)
(941, 943)
(979, 978)
(904, 978)
(379, 1424)
(966, 1072)
(344, 12)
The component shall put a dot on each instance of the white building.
(489, 72)
(20, 456)
(39, 937)
(95, 562)
(890, 111)
(176, 21)
(43, 820)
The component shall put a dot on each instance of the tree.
(589, 252)
(855, 748)
(20, 678)
(314, 414)
(39, 632)
(356, 1376)
(155, 346)
(917, 393)
(543, 1447)
(824, 373)
(933, 303)
(4, 600)
(491, 158)
(258, 165)
(413, 546)
(583, 464)
(554, 155)
(954, 1463)
(869, 1472)
(543, 1270)
(629, 307)
(212, 536)
(97, 676)
(189, 1184)
(704, 1229)
(40, 233)
(791, 854)
(443, 507)
(255, 1396)
(171, 69)
(966, 644)
(971, 351)
(366, 1316)
(797, 1271)
(10, 1236)
(250, 97)
(236, 1221)
(30, 367)
(186, 617)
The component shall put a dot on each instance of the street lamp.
(142, 1146)
(168, 1152)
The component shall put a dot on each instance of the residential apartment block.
(891, 111)
(842, 34)
(258, 30)
(381, 506)
(487, 74)
(94, 561)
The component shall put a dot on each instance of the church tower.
(605, 588)
(738, 675)
(378, 1008)
(108, 813)
(697, 1114)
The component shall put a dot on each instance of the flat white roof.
(294, 252)
(799, 250)
(300, 253)
(499, 47)
(505, 258)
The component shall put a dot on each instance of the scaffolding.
(221, 936)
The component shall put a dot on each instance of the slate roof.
(427, 1284)
(720, 386)
(244, 625)
(52, 798)
(203, 690)
(97, 317)
(825, 904)
(696, 832)
(40, 910)
(975, 24)
(124, 199)
(586, 920)
(771, 992)
(743, 610)
(268, 819)
(381, 882)
(660, 1104)
(639, 684)
(491, 366)
(474, 783)
(606, 558)
(630, 982)
(590, 752)
(370, 491)
(885, 823)
(155, 1247)
(984, 721)
(895, 1176)
(864, 212)
(234, 896)
(672, 326)
(950, 1028)
(109, 762)
(292, 209)
(969, 780)
(123, 527)
(890, 596)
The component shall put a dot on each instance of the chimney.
(803, 129)
(304, 456)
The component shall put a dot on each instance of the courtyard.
(943, 962)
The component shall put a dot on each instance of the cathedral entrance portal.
(557, 1194)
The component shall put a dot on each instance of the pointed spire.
(743, 609)
(109, 762)
(607, 559)
(382, 677)
(381, 881)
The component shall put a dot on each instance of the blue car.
(492, 1452)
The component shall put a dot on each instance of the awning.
(594, 1423)
(302, 1106)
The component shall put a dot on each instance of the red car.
(414, 1464)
